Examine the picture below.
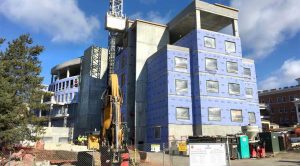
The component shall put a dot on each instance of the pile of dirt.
(56, 157)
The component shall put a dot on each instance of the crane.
(112, 136)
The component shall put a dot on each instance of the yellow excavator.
(113, 146)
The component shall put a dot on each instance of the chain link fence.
(162, 154)
(172, 153)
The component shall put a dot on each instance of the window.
(59, 86)
(181, 63)
(249, 92)
(63, 85)
(211, 64)
(71, 84)
(230, 47)
(209, 42)
(247, 72)
(66, 98)
(58, 98)
(232, 67)
(270, 100)
(291, 98)
(56, 87)
(279, 99)
(181, 86)
(252, 118)
(212, 86)
(157, 132)
(236, 116)
(283, 99)
(281, 110)
(214, 114)
(67, 84)
(234, 89)
(62, 98)
(182, 113)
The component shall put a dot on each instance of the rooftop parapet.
(202, 15)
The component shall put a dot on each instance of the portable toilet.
(243, 147)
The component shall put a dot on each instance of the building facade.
(282, 104)
(77, 86)
(65, 87)
(187, 77)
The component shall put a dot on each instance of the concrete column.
(40, 113)
(68, 73)
(198, 19)
(235, 27)
(65, 121)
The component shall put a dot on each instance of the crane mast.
(115, 23)
(113, 131)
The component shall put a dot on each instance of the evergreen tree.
(20, 91)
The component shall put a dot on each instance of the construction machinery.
(113, 130)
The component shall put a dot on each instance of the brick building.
(282, 104)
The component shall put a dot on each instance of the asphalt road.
(282, 159)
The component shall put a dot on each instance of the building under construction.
(179, 79)
(186, 77)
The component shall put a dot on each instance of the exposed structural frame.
(96, 63)
(116, 8)
(115, 24)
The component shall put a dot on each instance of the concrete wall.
(56, 135)
(92, 85)
(149, 38)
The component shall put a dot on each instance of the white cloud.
(285, 76)
(62, 20)
(264, 24)
(153, 16)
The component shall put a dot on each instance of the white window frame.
(229, 70)
(206, 39)
(236, 119)
(178, 117)
(232, 92)
(182, 91)
(180, 63)
(211, 90)
(226, 47)
(207, 67)
(248, 74)
(249, 95)
(251, 120)
(214, 118)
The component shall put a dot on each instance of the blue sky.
(269, 30)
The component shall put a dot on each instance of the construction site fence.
(172, 153)
(161, 154)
